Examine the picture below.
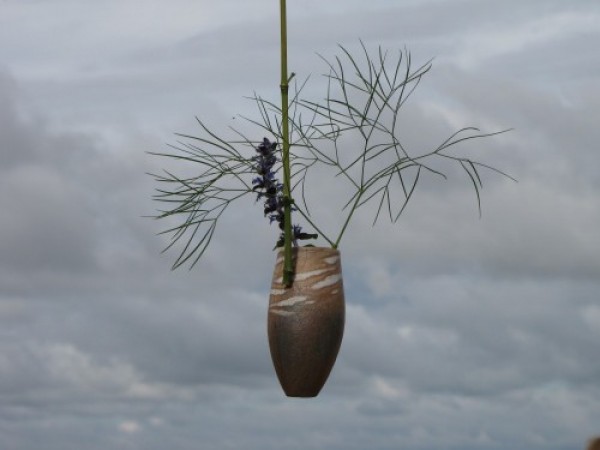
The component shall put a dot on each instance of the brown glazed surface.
(306, 321)
(594, 444)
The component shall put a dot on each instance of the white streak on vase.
(304, 275)
(331, 259)
(290, 301)
(331, 279)
(281, 312)
(278, 291)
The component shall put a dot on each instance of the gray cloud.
(462, 333)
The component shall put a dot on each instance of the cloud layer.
(462, 333)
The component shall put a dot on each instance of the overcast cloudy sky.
(462, 333)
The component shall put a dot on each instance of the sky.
(462, 332)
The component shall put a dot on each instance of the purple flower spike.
(266, 185)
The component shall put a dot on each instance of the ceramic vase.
(306, 320)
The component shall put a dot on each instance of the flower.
(268, 186)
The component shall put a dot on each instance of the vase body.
(306, 320)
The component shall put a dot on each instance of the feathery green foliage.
(363, 102)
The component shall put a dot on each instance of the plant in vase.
(352, 134)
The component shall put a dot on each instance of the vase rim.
(311, 249)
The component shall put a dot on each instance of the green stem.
(354, 206)
(288, 267)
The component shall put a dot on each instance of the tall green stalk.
(288, 267)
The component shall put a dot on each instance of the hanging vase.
(306, 320)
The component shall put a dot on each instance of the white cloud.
(484, 44)
(129, 427)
